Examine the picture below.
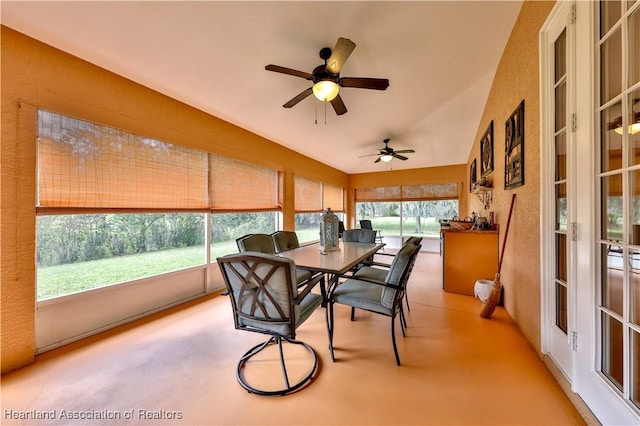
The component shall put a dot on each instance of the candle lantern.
(329, 231)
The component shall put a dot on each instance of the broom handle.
(506, 232)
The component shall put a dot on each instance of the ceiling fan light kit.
(387, 153)
(325, 90)
(326, 78)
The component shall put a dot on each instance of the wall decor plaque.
(486, 152)
(472, 175)
(514, 149)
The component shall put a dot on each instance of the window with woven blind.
(445, 191)
(239, 186)
(332, 196)
(308, 195)
(88, 165)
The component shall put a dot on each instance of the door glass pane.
(611, 143)
(610, 69)
(634, 47)
(634, 206)
(612, 360)
(612, 277)
(561, 257)
(612, 207)
(634, 280)
(560, 48)
(633, 126)
(635, 360)
(561, 156)
(561, 307)
(609, 15)
(561, 106)
(561, 207)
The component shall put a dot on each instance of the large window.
(311, 198)
(115, 207)
(407, 210)
(82, 252)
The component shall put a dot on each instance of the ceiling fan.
(387, 154)
(326, 77)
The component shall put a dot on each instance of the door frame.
(555, 343)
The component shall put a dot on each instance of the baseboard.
(588, 416)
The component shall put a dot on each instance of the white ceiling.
(439, 57)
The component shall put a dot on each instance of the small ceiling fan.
(326, 77)
(387, 154)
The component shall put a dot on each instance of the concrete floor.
(178, 367)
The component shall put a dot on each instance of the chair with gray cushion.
(359, 236)
(262, 243)
(378, 296)
(288, 240)
(266, 299)
(285, 240)
(366, 224)
(374, 269)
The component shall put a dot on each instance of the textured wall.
(517, 79)
(39, 76)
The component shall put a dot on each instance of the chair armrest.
(372, 281)
(308, 286)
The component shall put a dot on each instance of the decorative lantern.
(329, 231)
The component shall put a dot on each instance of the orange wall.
(517, 78)
(35, 75)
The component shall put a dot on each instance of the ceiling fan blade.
(298, 98)
(367, 155)
(365, 83)
(405, 151)
(377, 160)
(289, 71)
(399, 157)
(338, 105)
(339, 55)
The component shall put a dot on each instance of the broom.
(492, 300)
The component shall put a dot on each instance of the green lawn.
(64, 279)
(59, 280)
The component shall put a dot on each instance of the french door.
(590, 212)
(558, 181)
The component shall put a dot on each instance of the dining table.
(333, 263)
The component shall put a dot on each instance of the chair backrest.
(398, 274)
(340, 228)
(285, 240)
(359, 235)
(262, 289)
(366, 224)
(262, 243)
(414, 240)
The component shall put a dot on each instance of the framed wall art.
(514, 149)
(472, 175)
(486, 152)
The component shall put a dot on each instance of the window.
(77, 252)
(407, 210)
(115, 207)
(311, 198)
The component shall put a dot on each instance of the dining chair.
(382, 297)
(366, 224)
(264, 243)
(285, 240)
(266, 299)
(374, 269)
(359, 236)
